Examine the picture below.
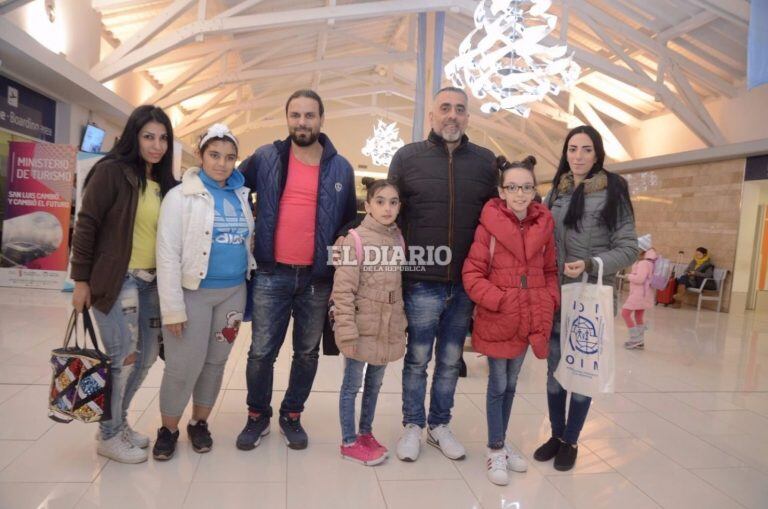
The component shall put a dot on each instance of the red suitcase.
(667, 295)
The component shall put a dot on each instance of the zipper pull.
(523, 281)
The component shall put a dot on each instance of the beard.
(451, 136)
(304, 138)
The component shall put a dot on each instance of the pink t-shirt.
(295, 233)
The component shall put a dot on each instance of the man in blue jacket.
(305, 192)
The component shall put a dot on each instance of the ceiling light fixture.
(503, 60)
(383, 144)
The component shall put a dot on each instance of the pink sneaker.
(359, 453)
(370, 442)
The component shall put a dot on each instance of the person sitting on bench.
(698, 270)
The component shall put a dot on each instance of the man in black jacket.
(444, 183)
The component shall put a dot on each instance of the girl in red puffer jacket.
(511, 275)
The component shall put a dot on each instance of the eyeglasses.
(525, 188)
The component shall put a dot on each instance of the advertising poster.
(763, 282)
(85, 163)
(35, 242)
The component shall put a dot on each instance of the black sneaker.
(290, 428)
(566, 457)
(200, 437)
(165, 445)
(548, 451)
(251, 435)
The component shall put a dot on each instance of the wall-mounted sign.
(757, 168)
(25, 111)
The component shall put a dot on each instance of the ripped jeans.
(131, 326)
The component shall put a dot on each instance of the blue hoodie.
(228, 262)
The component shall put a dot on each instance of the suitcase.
(667, 295)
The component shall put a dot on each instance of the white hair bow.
(218, 131)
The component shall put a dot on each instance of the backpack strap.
(647, 282)
(358, 245)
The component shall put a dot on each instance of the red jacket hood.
(515, 288)
(503, 224)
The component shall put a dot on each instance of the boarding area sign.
(24, 111)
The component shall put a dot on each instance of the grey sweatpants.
(194, 362)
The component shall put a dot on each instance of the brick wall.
(685, 207)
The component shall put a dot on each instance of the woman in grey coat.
(593, 219)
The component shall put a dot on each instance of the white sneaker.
(442, 438)
(496, 463)
(119, 449)
(515, 462)
(409, 445)
(135, 438)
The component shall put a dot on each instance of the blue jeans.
(132, 325)
(276, 296)
(568, 431)
(353, 378)
(502, 381)
(434, 310)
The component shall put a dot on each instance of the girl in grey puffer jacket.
(593, 219)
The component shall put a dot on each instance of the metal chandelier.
(504, 60)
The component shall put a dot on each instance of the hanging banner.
(763, 267)
(757, 44)
(85, 163)
(35, 242)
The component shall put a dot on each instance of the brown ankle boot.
(679, 297)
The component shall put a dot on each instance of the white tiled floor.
(686, 428)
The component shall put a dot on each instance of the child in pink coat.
(641, 295)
